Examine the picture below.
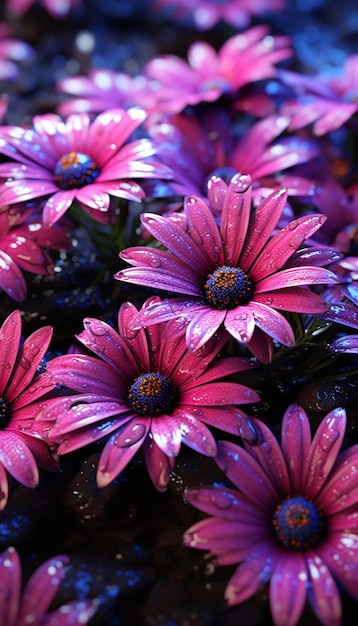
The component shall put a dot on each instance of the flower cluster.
(181, 230)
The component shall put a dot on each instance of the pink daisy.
(144, 388)
(207, 13)
(29, 605)
(23, 243)
(289, 519)
(76, 159)
(57, 8)
(244, 58)
(326, 100)
(22, 444)
(235, 274)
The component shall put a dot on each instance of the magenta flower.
(327, 100)
(23, 243)
(290, 518)
(57, 8)
(101, 90)
(197, 147)
(29, 605)
(244, 58)
(207, 13)
(144, 389)
(12, 51)
(234, 274)
(22, 439)
(76, 160)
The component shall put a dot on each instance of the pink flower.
(57, 8)
(23, 240)
(22, 439)
(103, 89)
(244, 58)
(29, 605)
(76, 160)
(207, 13)
(196, 147)
(143, 388)
(290, 518)
(327, 100)
(11, 51)
(235, 274)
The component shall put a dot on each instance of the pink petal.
(159, 465)
(227, 503)
(10, 586)
(202, 327)
(167, 435)
(296, 299)
(76, 412)
(340, 491)
(324, 450)
(76, 439)
(57, 205)
(272, 323)
(194, 433)
(12, 280)
(17, 459)
(223, 535)
(295, 276)
(75, 613)
(340, 554)
(218, 394)
(236, 210)
(240, 323)
(41, 588)
(162, 279)
(252, 574)
(87, 374)
(120, 449)
(295, 444)
(10, 334)
(203, 230)
(288, 589)
(322, 592)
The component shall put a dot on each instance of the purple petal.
(162, 279)
(159, 465)
(12, 280)
(295, 443)
(340, 554)
(288, 589)
(204, 230)
(41, 588)
(10, 334)
(240, 323)
(221, 535)
(120, 449)
(17, 459)
(236, 211)
(87, 374)
(202, 327)
(75, 613)
(10, 586)
(57, 205)
(322, 592)
(295, 276)
(324, 450)
(227, 503)
(167, 434)
(272, 323)
(251, 575)
(296, 299)
(340, 491)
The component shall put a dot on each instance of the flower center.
(228, 287)
(5, 413)
(152, 395)
(298, 524)
(75, 170)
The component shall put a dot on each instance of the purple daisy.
(29, 605)
(234, 274)
(144, 389)
(23, 243)
(289, 518)
(207, 13)
(22, 439)
(76, 159)
(327, 100)
(243, 59)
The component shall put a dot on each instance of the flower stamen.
(228, 287)
(152, 394)
(75, 170)
(5, 413)
(298, 523)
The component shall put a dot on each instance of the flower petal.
(10, 334)
(322, 592)
(288, 589)
(295, 443)
(10, 586)
(159, 464)
(17, 459)
(41, 588)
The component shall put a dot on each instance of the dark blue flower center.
(298, 524)
(228, 287)
(75, 170)
(152, 394)
(5, 413)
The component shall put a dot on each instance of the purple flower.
(290, 518)
(103, 89)
(207, 13)
(23, 240)
(197, 147)
(29, 605)
(327, 100)
(12, 51)
(347, 343)
(243, 59)
(22, 439)
(234, 274)
(144, 388)
(57, 8)
(76, 160)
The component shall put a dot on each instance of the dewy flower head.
(78, 160)
(207, 13)
(29, 606)
(145, 389)
(22, 439)
(23, 240)
(244, 58)
(234, 274)
(290, 518)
